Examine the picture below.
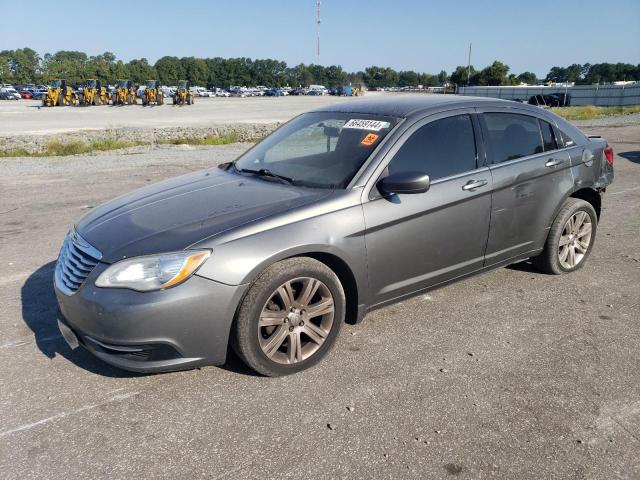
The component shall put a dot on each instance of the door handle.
(473, 184)
(553, 162)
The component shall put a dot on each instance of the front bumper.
(178, 328)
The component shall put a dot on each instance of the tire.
(551, 259)
(252, 341)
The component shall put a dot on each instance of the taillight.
(608, 153)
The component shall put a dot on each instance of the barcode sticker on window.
(361, 124)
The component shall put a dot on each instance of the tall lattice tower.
(318, 3)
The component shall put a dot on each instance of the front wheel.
(570, 239)
(290, 317)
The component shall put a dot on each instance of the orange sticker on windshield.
(369, 139)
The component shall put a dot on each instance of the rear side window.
(548, 138)
(439, 149)
(567, 141)
(512, 136)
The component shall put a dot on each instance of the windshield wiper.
(264, 172)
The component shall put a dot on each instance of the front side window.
(318, 149)
(440, 149)
(512, 136)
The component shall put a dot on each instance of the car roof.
(407, 105)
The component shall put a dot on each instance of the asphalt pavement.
(511, 374)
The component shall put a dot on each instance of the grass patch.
(591, 112)
(209, 140)
(58, 149)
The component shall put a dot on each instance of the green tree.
(408, 78)
(169, 70)
(140, 71)
(528, 77)
(494, 74)
(460, 75)
(67, 64)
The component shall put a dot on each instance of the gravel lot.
(25, 125)
(512, 374)
(17, 118)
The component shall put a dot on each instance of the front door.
(415, 241)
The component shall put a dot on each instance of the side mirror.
(404, 182)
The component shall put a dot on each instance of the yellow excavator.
(59, 94)
(183, 94)
(93, 93)
(125, 93)
(152, 93)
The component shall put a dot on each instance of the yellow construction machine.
(152, 93)
(183, 94)
(125, 93)
(59, 94)
(93, 93)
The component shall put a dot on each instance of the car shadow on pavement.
(40, 312)
(633, 156)
(524, 266)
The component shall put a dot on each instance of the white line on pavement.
(115, 398)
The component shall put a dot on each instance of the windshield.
(320, 149)
(91, 83)
(151, 84)
(123, 83)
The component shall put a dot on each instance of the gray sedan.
(342, 210)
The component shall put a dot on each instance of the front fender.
(338, 233)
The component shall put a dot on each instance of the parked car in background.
(317, 90)
(238, 91)
(274, 92)
(168, 91)
(26, 94)
(341, 210)
(222, 93)
(9, 93)
(37, 94)
(299, 91)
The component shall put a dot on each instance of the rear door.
(418, 240)
(531, 176)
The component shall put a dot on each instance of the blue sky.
(404, 34)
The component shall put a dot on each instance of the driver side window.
(312, 140)
(440, 149)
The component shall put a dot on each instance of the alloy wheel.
(296, 320)
(575, 240)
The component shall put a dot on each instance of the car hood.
(174, 214)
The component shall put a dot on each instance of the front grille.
(76, 261)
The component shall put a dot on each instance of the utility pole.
(469, 66)
(318, 3)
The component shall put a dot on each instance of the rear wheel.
(570, 239)
(290, 317)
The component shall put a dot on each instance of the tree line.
(25, 65)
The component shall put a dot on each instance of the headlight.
(152, 272)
